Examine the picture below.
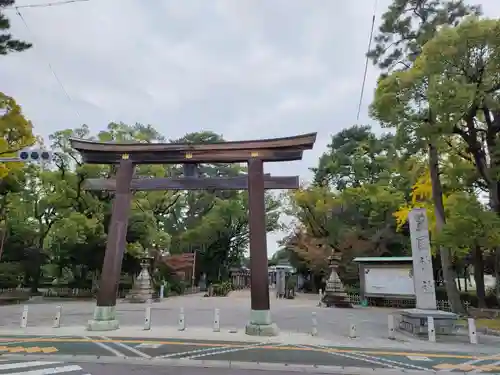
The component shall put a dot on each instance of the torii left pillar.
(105, 318)
(261, 323)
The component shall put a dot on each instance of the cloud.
(246, 68)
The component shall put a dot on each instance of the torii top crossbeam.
(268, 150)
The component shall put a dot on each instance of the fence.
(355, 299)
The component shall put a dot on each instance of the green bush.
(11, 274)
(177, 287)
(222, 289)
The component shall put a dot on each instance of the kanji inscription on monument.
(423, 275)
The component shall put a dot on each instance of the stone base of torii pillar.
(335, 294)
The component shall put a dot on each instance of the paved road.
(24, 367)
(161, 349)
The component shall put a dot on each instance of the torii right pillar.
(260, 323)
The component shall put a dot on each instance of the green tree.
(7, 42)
(408, 24)
(355, 156)
(407, 27)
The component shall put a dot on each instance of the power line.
(366, 62)
(45, 5)
(18, 12)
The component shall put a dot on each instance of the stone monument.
(335, 294)
(142, 290)
(415, 320)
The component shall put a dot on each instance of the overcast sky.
(243, 68)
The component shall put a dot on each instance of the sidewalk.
(198, 333)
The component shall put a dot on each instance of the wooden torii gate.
(127, 155)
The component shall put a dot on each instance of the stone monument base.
(261, 324)
(336, 300)
(104, 319)
(414, 321)
(134, 298)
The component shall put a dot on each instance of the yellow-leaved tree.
(421, 197)
(16, 132)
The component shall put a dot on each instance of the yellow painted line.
(228, 345)
(466, 367)
(21, 349)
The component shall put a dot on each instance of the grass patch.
(485, 323)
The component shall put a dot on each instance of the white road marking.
(149, 345)
(224, 350)
(344, 355)
(48, 371)
(125, 346)
(196, 351)
(390, 361)
(418, 358)
(472, 362)
(106, 347)
(10, 366)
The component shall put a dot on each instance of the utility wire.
(366, 62)
(18, 12)
(45, 5)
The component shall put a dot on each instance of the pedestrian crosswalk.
(16, 367)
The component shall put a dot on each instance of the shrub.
(11, 274)
(222, 289)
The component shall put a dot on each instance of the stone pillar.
(260, 323)
(105, 311)
(415, 320)
(423, 274)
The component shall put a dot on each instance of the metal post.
(147, 319)
(24, 317)
(390, 325)
(352, 331)
(472, 330)
(314, 329)
(216, 320)
(57, 317)
(182, 322)
(430, 329)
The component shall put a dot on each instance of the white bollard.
(182, 321)
(57, 317)
(430, 329)
(162, 291)
(352, 331)
(216, 320)
(314, 329)
(147, 319)
(390, 326)
(472, 330)
(24, 317)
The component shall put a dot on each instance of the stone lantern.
(335, 294)
(142, 290)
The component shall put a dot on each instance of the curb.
(262, 366)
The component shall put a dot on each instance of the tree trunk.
(466, 278)
(479, 276)
(497, 275)
(437, 196)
